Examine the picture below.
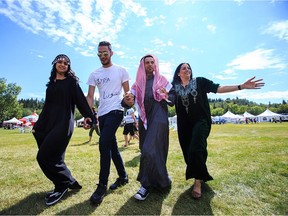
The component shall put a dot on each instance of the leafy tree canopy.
(9, 106)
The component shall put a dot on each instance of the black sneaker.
(142, 193)
(119, 182)
(75, 186)
(98, 195)
(48, 195)
(55, 196)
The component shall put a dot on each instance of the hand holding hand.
(162, 91)
(87, 123)
(129, 99)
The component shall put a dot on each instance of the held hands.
(129, 99)
(87, 123)
(252, 84)
(162, 91)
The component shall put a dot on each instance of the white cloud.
(79, 24)
(278, 29)
(211, 28)
(121, 54)
(229, 71)
(166, 69)
(169, 2)
(169, 43)
(154, 20)
(135, 7)
(279, 95)
(239, 2)
(224, 77)
(149, 21)
(180, 22)
(159, 43)
(257, 60)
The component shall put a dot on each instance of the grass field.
(249, 164)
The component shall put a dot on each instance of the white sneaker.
(142, 193)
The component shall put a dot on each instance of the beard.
(106, 62)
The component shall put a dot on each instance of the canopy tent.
(231, 117)
(31, 118)
(24, 120)
(268, 116)
(79, 122)
(248, 115)
(13, 121)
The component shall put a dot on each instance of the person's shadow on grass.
(151, 206)
(32, 205)
(28, 206)
(186, 205)
(83, 208)
(133, 162)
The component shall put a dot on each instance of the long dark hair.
(69, 72)
(176, 78)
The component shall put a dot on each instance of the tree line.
(11, 107)
(219, 107)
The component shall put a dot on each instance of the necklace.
(194, 92)
(185, 91)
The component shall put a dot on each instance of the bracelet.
(239, 87)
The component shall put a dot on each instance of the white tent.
(248, 115)
(267, 116)
(13, 121)
(231, 117)
(79, 122)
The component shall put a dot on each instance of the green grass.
(249, 164)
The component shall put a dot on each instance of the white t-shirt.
(128, 116)
(109, 83)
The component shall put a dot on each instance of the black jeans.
(108, 147)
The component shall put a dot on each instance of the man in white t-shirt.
(109, 79)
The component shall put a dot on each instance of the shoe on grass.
(48, 195)
(75, 186)
(142, 193)
(119, 182)
(55, 196)
(98, 195)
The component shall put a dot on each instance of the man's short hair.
(146, 56)
(105, 43)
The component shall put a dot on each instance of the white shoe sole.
(139, 197)
(55, 201)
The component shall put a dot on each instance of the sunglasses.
(105, 53)
(64, 62)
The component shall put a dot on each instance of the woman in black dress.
(194, 119)
(55, 125)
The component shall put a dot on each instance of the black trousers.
(51, 155)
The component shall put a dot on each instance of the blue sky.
(225, 41)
